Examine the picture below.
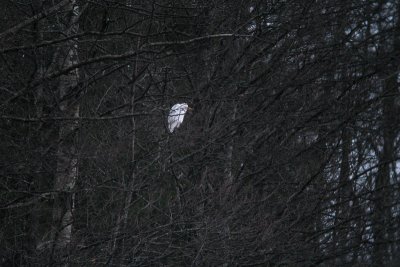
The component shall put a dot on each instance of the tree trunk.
(382, 217)
(382, 214)
(344, 193)
(122, 219)
(67, 158)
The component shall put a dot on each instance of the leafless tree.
(289, 156)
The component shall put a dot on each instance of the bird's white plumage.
(176, 115)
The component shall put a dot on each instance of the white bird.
(176, 115)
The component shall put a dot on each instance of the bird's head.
(186, 107)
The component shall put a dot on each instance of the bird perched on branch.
(176, 115)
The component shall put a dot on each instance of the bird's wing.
(173, 118)
(172, 123)
(181, 112)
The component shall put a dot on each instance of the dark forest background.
(290, 156)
